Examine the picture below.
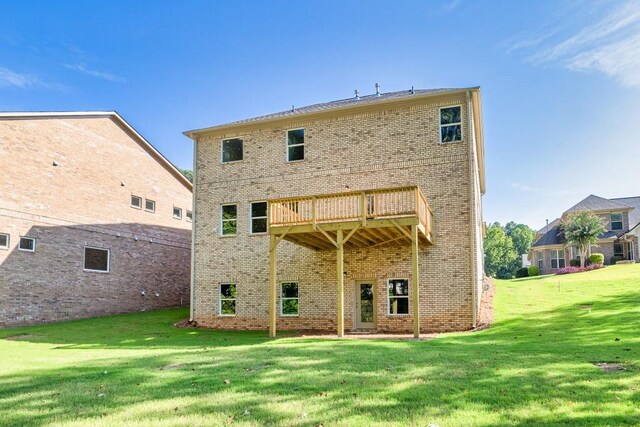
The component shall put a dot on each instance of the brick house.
(358, 214)
(621, 218)
(93, 220)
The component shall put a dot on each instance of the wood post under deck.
(273, 244)
(340, 272)
(416, 281)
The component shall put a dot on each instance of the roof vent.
(377, 85)
(293, 108)
(413, 92)
(55, 163)
(357, 92)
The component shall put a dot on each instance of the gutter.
(472, 215)
(194, 198)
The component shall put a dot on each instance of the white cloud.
(94, 73)
(609, 44)
(20, 80)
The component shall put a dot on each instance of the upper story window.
(96, 259)
(149, 205)
(451, 124)
(231, 150)
(189, 216)
(398, 295)
(27, 244)
(295, 145)
(136, 202)
(4, 241)
(258, 217)
(616, 221)
(177, 213)
(229, 220)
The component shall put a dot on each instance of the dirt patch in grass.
(186, 323)
(171, 367)
(21, 337)
(611, 366)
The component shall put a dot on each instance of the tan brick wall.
(83, 201)
(388, 148)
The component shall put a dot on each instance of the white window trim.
(134, 206)
(389, 313)
(286, 145)
(440, 125)
(174, 213)
(220, 299)
(222, 152)
(222, 220)
(251, 218)
(27, 250)
(84, 258)
(611, 221)
(289, 298)
(187, 216)
(8, 240)
(557, 258)
(145, 205)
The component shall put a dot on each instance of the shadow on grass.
(520, 363)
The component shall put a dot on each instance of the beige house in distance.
(93, 219)
(363, 214)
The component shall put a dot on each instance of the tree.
(187, 174)
(582, 229)
(499, 253)
(522, 237)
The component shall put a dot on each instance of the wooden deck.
(370, 218)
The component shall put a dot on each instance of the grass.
(534, 367)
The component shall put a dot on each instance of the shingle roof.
(596, 203)
(549, 226)
(349, 102)
(554, 236)
(634, 214)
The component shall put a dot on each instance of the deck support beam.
(416, 281)
(272, 285)
(340, 273)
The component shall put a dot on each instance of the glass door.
(365, 310)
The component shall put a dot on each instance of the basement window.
(450, 124)
(149, 205)
(295, 145)
(258, 217)
(398, 296)
(229, 220)
(4, 241)
(96, 259)
(616, 221)
(227, 299)
(27, 244)
(289, 299)
(231, 150)
(177, 213)
(189, 216)
(136, 202)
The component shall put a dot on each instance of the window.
(295, 145)
(227, 299)
(177, 213)
(450, 124)
(189, 216)
(136, 202)
(229, 220)
(4, 241)
(618, 250)
(576, 253)
(289, 299)
(616, 221)
(557, 258)
(149, 205)
(541, 260)
(96, 259)
(258, 217)
(27, 244)
(398, 294)
(231, 150)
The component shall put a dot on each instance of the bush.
(596, 259)
(522, 272)
(570, 270)
(615, 259)
(574, 263)
(533, 270)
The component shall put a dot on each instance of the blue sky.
(560, 80)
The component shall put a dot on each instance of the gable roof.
(596, 203)
(113, 115)
(634, 214)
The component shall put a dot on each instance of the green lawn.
(533, 367)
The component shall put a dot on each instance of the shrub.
(596, 258)
(574, 263)
(570, 270)
(615, 259)
(533, 270)
(522, 272)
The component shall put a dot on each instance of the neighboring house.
(358, 214)
(93, 219)
(621, 218)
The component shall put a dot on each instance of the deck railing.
(353, 206)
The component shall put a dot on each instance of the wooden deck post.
(340, 272)
(416, 281)
(272, 285)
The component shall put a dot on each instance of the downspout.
(472, 215)
(193, 232)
